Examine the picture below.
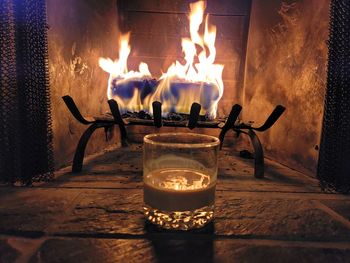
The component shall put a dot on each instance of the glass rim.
(212, 140)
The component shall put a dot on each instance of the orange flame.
(205, 76)
(181, 85)
(119, 75)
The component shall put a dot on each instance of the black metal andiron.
(107, 121)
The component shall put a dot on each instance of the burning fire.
(181, 85)
(123, 85)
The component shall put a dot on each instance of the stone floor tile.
(120, 212)
(282, 218)
(33, 209)
(122, 168)
(276, 218)
(342, 208)
(106, 212)
(190, 250)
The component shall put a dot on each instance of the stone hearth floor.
(95, 216)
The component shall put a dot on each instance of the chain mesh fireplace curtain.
(25, 124)
(334, 159)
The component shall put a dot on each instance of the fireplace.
(154, 37)
(186, 94)
(98, 166)
(268, 53)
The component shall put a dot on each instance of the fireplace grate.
(231, 123)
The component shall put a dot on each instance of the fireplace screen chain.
(334, 158)
(25, 127)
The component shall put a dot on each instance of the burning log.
(125, 88)
(131, 93)
(177, 96)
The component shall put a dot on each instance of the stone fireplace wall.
(80, 31)
(286, 64)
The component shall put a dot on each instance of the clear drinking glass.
(179, 175)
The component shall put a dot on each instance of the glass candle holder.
(179, 175)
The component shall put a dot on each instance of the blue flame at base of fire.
(125, 89)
